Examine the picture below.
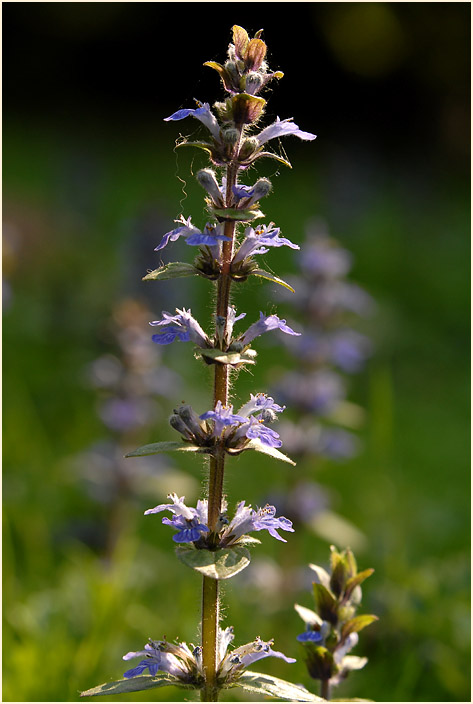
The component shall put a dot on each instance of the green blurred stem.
(210, 597)
(325, 689)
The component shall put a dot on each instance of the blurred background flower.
(91, 185)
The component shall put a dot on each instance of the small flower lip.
(257, 241)
(201, 113)
(210, 236)
(280, 128)
(161, 656)
(265, 324)
(181, 326)
(310, 636)
(189, 522)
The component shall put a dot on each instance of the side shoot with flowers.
(211, 537)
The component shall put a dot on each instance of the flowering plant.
(209, 540)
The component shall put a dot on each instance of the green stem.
(210, 607)
(210, 596)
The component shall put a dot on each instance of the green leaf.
(246, 357)
(221, 564)
(173, 270)
(155, 447)
(274, 687)
(327, 605)
(240, 215)
(356, 580)
(355, 699)
(272, 155)
(266, 450)
(133, 684)
(271, 277)
(354, 625)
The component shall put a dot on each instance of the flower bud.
(248, 148)
(191, 420)
(253, 83)
(208, 180)
(231, 135)
(261, 189)
(178, 424)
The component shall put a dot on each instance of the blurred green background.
(91, 182)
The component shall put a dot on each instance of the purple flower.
(181, 326)
(222, 417)
(349, 350)
(247, 520)
(233, 427)
(317, 392)
(280, 128)
(264, 324)
(189, 522)
(322, 257)
(210, 236)
(156, 659)
(257, 241)
(202, 113)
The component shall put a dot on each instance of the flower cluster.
(221, 427)
(184, 328)
(131, 385)
(190, 523)
(327, 351)
(183, 663)
(332, 630)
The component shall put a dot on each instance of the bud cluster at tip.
(332, 630)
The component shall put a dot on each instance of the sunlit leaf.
(133, 684)
(275, 687)
(271, 277)
(357, 580)
(173, 270)
(246, 357)
(266, 450)
(354, 625)
(155, 447)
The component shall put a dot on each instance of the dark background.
(91, 182)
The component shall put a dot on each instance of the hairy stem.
(210, 596)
